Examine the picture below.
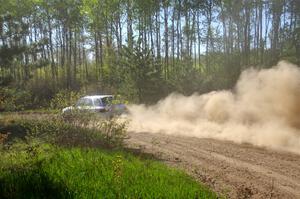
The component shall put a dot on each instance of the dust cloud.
(263, 109)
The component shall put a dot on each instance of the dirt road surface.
(232, 170)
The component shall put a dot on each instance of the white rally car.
(97, 103)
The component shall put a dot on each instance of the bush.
(114, 131)
(64, 98)
(12, 99)
(42, 89)
(84, 130)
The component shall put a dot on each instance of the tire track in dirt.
(232, 170)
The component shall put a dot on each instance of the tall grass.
(55, 172)
(37, 166)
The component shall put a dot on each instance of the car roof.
(97, 96)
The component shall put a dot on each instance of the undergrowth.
(55, 159)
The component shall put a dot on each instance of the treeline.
(141, 49)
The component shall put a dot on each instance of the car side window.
(98, 102)
(88, 102)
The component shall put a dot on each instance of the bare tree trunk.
(173, 38)
(276, 14)
(51, 48)
(199, 39)
(166, 42)
(75, 57)
(178, 28)
(96, 53)
(129, 24)
(209, 32)
(100, 55)
(246, 34)
(192, 33)
(151, 35)
(261, 42)
(157, 21)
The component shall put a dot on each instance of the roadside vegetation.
(43, 158)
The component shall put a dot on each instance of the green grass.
(37, 167)
(53, 172)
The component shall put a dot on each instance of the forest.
(195, 99)
(52, 51)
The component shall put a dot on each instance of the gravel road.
(232, 170)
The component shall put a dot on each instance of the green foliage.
(90, 173)
(114, 131)
(142, 50)
(119, 99)
(12, 99)
(22, 164)
(46, 129)
(71, 130)
(42, 90)
(64, 98)
(68, 163)
(186, 79)
(144, 73)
